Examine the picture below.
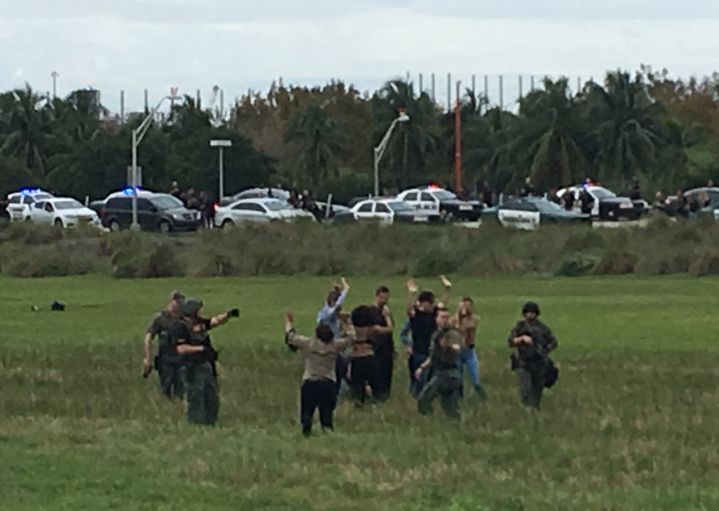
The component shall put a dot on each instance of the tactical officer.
(444, 361)
(167, 362)
(533, 342)
(191, 339)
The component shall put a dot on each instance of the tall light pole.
(54, 75)
(137, 135)
(382, 147)
(221, 144)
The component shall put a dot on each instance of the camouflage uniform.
(532, 362)
(167, 361)
(199, 375)
(446, 376)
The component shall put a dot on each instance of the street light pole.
(54, 75)
(221, 144)
(137, 135)
(382, 147)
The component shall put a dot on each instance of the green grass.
(632, 423)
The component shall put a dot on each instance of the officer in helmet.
(191, 339)
(532, 341)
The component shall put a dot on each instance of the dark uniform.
(167, 361)
(531, 362)
(198, 369)
(422, 325)
(446, 376)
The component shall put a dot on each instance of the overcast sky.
(240, 44)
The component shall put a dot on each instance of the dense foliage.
(663, 131)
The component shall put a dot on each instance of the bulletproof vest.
(447, 348)
(536, 331)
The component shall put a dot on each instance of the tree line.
(642, 125)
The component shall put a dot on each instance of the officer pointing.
(191, 339)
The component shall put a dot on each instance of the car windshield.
(399, 206)
(67, 204)
(602, 193)
(166, 202)
(274, 205)
(444, 195)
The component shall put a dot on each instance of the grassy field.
(632, 423)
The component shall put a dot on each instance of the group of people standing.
(354, 353)
(356, 350)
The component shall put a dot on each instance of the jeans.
(468, 358)
(415, 385)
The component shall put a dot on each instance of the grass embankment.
(663, 247)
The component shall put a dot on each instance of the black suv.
(156, 212)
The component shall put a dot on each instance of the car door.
(427, 202)
(37, 213)
(364, 210)
(383, 213)
(412, 198)
(15, 207)
(146, 215)
(249, 212)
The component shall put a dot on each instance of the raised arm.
(292, 338)
(412, 290)
(447, 285)
(223, 318)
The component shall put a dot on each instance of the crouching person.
(444, 361)
(319, 380)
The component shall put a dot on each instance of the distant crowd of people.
(204, 202)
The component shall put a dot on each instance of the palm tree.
(321, 139)
(627, 126)
(416, 143)
(550, 138)
(28, 121)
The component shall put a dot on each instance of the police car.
(527, 213)
(63, 212)
(443, 203)
(19, 203)
(389, 211)
(605, 203)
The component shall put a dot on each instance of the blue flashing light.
(30, 191)
(129, 191)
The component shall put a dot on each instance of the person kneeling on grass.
(319, 379)
(446, 376)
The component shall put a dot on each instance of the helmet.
(191, 307)
(531, 307)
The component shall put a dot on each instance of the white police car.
(63, 212)
(442, 202)
(20, 203)
(389, 211)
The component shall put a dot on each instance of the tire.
(114, 226)
(58, 223)
(164, 227)
(228, 224)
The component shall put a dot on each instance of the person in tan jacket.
(319, 379)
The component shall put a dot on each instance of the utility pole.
(458, 143)
(54, 75)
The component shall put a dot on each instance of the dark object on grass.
(234, 313)
(57, 306)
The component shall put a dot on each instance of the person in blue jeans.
(466, 321)
(329, 315)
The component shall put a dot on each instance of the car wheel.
(58, 223)
(114, 226)
(227, 224)
(164, 227)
